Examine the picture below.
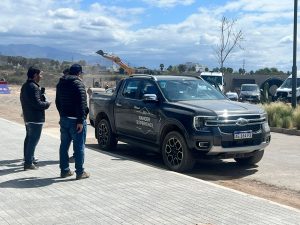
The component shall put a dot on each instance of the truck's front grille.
(237, 121)
(281, 94)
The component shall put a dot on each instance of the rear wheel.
(176, 154)
(106, 138)
(252, 160)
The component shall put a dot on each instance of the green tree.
(192, 69)
(161, 67)
(223, 69)
(182, 68)
(216, 69)
(229, 70)
(241, 71)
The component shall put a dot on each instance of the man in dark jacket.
(71, 103)
(33, 107)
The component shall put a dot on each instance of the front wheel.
(106, 138)
(176, 154)
(252, 160)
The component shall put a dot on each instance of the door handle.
(118, 104)
(136, 107)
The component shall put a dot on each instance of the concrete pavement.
(120, 191)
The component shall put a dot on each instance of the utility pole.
(294, 69)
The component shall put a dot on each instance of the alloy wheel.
(103, 134)
(174, 151)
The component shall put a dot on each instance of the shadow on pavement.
(16, 165)
(214, 170)
(32, 182)
(209, 170)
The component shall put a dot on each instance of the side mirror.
(150, 98)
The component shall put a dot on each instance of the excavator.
(128, 70)
(118, 61)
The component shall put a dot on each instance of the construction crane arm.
(117, 60)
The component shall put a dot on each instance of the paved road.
(120, 191)
(279, 167)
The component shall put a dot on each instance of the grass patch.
(282, 115)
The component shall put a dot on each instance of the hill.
(35, 51)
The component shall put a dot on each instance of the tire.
(176, 155)
(252, 160)
(106, 138)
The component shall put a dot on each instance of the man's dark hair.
(66, 71)
(31, 71)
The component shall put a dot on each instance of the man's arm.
(35, 96)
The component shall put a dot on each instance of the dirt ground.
(10, 109)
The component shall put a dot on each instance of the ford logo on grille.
(241, 122)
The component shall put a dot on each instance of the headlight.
(200, 122)
(264, 115)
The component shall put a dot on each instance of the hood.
(219, 107)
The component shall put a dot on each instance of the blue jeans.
(68, 133)
(33, 134)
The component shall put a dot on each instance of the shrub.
(279, 114)
(296, 117)
(287, 122)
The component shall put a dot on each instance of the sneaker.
(72, 159)
(67, 174)
(35, 161)
(84, 175)
(30, 167)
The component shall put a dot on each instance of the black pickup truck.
(182, 117)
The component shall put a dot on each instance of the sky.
(150, 32)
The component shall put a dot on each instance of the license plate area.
(239, 135)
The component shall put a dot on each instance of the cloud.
(168, 3)
(267, 27)
(64, 13)
(286, 40)
(114, 11)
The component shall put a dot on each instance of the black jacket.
(71, 99)
(32, 104)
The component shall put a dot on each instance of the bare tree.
(229, 40)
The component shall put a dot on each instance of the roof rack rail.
(144, 75)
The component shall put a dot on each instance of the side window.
(148, 88)
(131, 89)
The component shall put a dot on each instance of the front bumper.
(241, 149)
(250, 98)
(218, 142)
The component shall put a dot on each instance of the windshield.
(288, 83)
(249, 88)
(213, 79)
(185, 90)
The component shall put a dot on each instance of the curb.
(285, 131)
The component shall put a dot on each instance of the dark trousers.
(33, 134)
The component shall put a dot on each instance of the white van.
(214, 78)
(284, 92)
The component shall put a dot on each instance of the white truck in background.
(284, 92)
(214, 78)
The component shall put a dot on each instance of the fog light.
(203, 144)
